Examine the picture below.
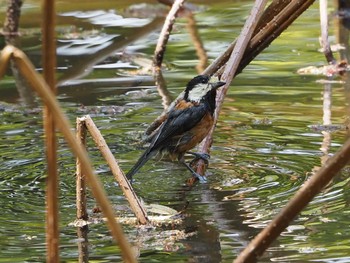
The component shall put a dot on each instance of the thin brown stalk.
(40, 86)
(49, 66)
(80, 177)
(123, 182)
(165, 33)
(82, 214)
(324, 33)
(279, 22)
(187, 6)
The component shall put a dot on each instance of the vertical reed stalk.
(82, 214)
(80, 177)
(49, 65)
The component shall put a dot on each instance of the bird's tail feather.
(141, 161)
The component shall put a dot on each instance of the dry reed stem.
(324, 33)
(80, 177)
(49, 66)
(164, 34)
(277, 17)
(123, 182)
(40, 86)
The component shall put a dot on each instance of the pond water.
(267, 143)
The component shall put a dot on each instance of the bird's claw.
(202, 179)
(200, 156)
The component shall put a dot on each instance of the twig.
(82, 214)
(39, 84)
(197, 43)
(273, 29)
(123, 182)
(160, 50)
(187, 6)
(80, 177)
(49, 66)
(164, 34)
(230, 71)
(324, 33)
(275, 20)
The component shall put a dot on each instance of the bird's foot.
(202, 179)
(200, 156)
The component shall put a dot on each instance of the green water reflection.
(265, 146)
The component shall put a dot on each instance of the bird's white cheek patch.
(197, 93)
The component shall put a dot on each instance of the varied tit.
(185, 125)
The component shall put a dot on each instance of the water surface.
(265, 144)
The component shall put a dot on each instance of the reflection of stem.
(327, 104)
(83, 244)
(200, 51)
(162, 89)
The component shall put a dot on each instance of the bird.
(185, 125)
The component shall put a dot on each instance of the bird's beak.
(218, 84)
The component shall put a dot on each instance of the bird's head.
(199, 87)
